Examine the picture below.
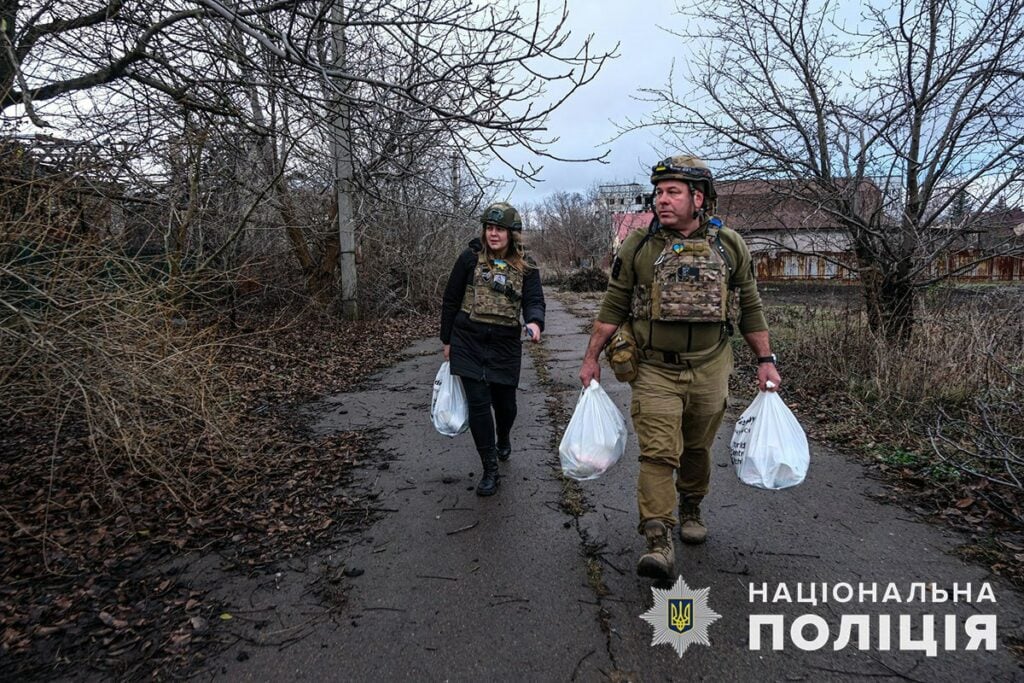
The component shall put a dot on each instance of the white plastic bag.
(768, 447)
(595, 438)
(449, 410)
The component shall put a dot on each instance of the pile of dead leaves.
(87, 578)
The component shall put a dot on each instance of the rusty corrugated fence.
(784, 265)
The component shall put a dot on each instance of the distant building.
(1001, 228)
(624, 198)
(626, 206)
(793, 238)
(771, 219)
(59, 187)
(625, 223)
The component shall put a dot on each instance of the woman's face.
(497, 238)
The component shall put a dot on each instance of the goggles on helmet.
(667, 166)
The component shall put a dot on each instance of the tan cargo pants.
(676, 413)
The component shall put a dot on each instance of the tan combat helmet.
(691, 170)
(502, 214)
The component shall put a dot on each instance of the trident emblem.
(680, 615)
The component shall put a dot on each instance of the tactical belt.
(682, 360)
(670, 357)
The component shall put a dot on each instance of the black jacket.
(492, 353)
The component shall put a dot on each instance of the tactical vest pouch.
(622, 353)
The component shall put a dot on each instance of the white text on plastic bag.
(449, 410)
(768, 447)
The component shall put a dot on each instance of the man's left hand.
(535, 328)
(767, 372)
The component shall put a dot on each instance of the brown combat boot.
(692, 529)
(660, 559)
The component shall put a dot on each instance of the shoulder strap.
(652, 230)
(715, 237)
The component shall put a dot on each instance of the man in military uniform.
(673, 284)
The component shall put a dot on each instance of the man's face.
(674, 204)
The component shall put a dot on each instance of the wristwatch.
(767, 359)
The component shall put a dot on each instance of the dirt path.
(537, 582)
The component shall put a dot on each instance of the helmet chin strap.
(697, 213)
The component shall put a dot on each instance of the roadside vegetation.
(148, 414)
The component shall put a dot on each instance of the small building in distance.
(1001, 228)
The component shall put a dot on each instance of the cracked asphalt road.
(449, 586)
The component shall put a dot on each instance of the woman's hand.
(447, 351)
(533, 332)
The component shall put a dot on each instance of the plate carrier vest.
(494, 295)
(690, 282)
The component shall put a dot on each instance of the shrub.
(587, 280)
(950, 397)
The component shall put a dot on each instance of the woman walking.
(491, 290)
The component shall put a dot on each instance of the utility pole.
(341, 152)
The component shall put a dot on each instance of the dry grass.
(957, 353)
(92, 348)
(946, 403)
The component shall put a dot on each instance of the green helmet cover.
(502, 214)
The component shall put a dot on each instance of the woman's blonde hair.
(515, 252)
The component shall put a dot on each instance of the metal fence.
(789, 266)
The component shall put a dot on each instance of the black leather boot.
(488, 485)
(504, 450)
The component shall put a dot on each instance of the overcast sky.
(587, 121)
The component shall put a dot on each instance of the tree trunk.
(896, 305)
(871, 285)
(274, 173)
(185, 173)
(8, 16)
(889, 303)
(323, 278)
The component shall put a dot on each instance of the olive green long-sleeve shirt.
(679, 337)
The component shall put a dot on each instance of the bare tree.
(574, 232)
(881, 125)
(383, 84)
